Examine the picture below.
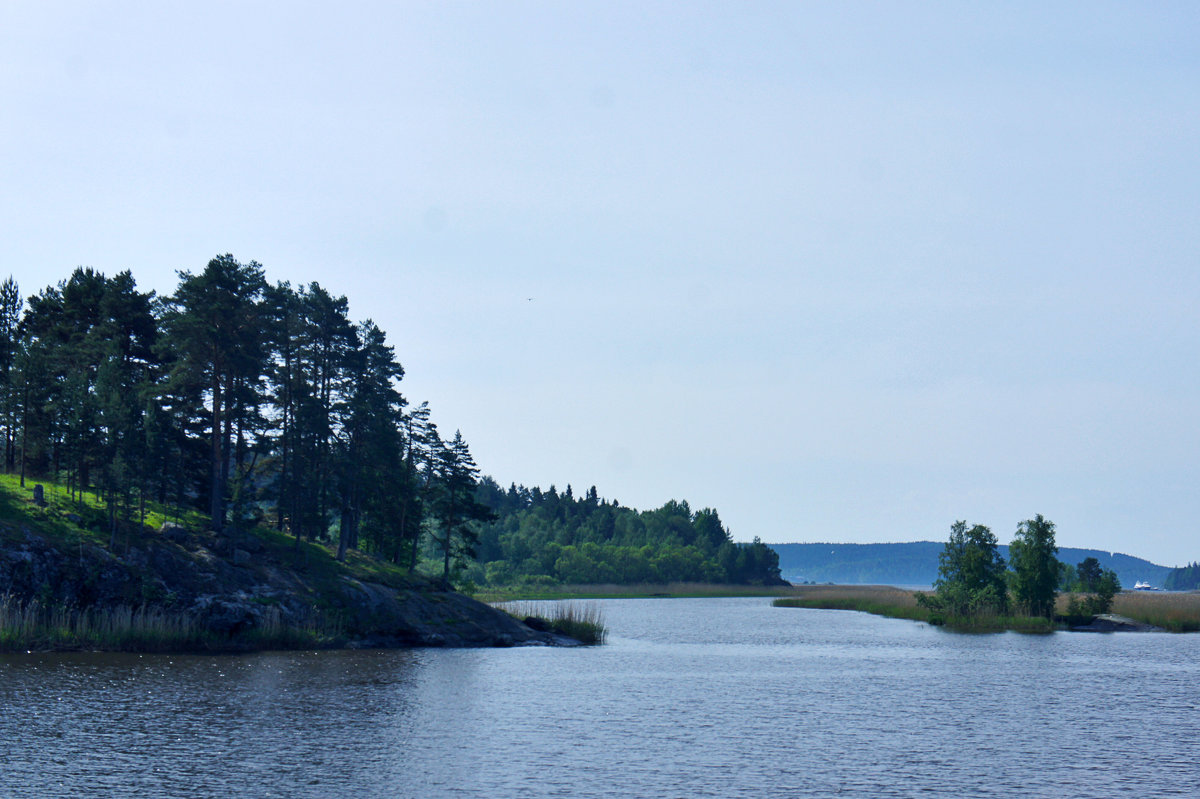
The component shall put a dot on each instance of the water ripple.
(691, 698)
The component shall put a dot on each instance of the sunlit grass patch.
(82, 516)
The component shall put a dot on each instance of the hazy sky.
(845, 272)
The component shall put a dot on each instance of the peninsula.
(182, 588)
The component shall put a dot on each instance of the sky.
(843, 271)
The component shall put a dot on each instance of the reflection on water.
(690, 698)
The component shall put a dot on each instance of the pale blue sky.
(846, 272)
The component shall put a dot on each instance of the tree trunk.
(24, 428)
(216, 506)
(343, 534)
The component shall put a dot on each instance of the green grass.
(317, 559)
(16, 505)
(583, 621)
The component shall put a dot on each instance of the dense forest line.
(547, 537)
(1184, 578)
(265, 404)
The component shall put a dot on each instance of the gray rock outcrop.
(1112, 623)
(183, 572)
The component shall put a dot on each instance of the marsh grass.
(1176, 612)
(878, 599)
(583, 621)
(899, 603)
(33, 626)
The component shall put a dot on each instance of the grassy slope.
(54, 522)
(69, 523)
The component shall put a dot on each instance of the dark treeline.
(263, 404)
(1184, 578)
(552, 537)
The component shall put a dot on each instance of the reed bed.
(900, 603)
(583, 621)
(1176, 612)
(33, 626)
(881, 600)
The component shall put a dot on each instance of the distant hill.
(916, 563)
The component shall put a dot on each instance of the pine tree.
(370, 449)
(11, 305)
(213, 326)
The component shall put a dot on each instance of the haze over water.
(706, 697)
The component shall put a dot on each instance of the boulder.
(1112, 623)
(173, 531)
(225, 615)
(537, 623)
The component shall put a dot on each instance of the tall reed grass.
(583, 621)
(33, 626)
(1178, 613)
(899, 603)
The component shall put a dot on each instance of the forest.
(1184, 578)
(265, 404)
(546, 537)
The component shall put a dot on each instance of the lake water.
(690, 698)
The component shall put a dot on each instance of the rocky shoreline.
(1112, 623)
(232, 586)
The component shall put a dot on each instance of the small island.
(1035, 592)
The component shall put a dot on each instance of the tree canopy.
(551, 536)
(973, 580)
(1035, 566)
(265, 404)
(971, 575)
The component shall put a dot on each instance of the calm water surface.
(691, 698)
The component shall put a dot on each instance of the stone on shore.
(1112, 623)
